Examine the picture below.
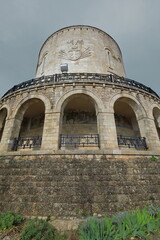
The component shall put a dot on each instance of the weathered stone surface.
(83, 48)
(104, 99)
(59, 185)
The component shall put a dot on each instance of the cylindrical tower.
(80, 135)
(84, 49)
(79, 99)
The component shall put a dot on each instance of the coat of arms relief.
(76, 50)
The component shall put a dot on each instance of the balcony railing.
(79, 140)
(27, 143)
(81, 77)
(132, 142)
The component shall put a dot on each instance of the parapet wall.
(60, 185)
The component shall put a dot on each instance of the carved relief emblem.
(76, 50)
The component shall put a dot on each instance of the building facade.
(80, 136)
(80, 99)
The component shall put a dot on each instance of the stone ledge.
(81, 152)
(63, 223)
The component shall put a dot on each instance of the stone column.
(50, 138)
(148, 130)
(11, 131)
(107, 130)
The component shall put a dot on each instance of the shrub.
(135, 224)
(154, 211)
(138, 223)
(97, 229)
(9, 219)
(154, 158)
(38, 229)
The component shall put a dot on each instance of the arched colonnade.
(79, 120)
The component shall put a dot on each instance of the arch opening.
(127, 127)
(3, 116)
(31, 115)
(156, 115)
(79, 122)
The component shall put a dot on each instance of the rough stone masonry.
(58, 185)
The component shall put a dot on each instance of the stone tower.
(84, 49)
(79, 103)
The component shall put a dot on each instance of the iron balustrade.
(81, 77)
(132, 142)
(27, 142)
(79, 140)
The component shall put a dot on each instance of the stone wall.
(60, 185)
(79, 129)
(32, 132)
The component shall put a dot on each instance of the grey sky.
(25, 25)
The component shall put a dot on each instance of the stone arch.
(153, 106)
(156, 116)
(7, 108)
(125, 118)
(78, 121)
(44, 99)
(29, 123)
(128, 115)
(3, 117)
(138, 109)
(98, 102)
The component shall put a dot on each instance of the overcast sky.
(26, 24)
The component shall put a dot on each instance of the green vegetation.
(84, 213)
(154, 158)
(38, 229)
(9, 220)
(138, 223)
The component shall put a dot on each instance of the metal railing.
(79, 140)
(79, 77)
(132, 142)
(27, 143)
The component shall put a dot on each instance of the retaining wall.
(69, 185)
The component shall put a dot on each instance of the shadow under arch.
(138, 109)
(156, 116)
(3, 117)
(127, 113)
(28, 124)
(78, 120)
(98, 102)
(44, 99)
(7, 108)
